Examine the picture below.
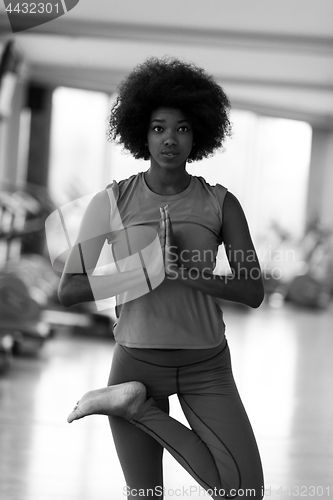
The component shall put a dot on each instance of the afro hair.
(169, 83)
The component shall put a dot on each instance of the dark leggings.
(219, 450)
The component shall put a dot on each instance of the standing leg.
(139, 454)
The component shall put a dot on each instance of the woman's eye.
(158, 128)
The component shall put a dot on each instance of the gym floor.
(282, 361)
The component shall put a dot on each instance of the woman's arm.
(78, 284)
(74, 289)
(245, 284)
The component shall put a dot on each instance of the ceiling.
(271, 56)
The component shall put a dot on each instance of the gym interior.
(58, 80)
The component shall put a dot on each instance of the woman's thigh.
(160, 381)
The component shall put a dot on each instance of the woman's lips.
(170, 153)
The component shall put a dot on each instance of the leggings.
(219, 450)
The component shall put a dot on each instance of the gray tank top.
(172, 315)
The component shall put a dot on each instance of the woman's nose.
(170, 140)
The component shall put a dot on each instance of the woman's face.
(170, 138)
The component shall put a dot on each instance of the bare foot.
(122, 400)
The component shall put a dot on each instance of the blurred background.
(274, 60)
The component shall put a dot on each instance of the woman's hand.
(170, 248)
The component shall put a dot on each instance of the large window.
(78, 143)
(265, 163)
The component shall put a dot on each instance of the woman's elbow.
(256, 302)
(65, 297)
(257, 295)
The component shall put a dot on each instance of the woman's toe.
(75, 414)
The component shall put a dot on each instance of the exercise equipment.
(299, 271)
(27, 282)
(313, 285)
(29, 306)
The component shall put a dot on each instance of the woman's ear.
(147, 154)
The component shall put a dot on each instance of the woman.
(170, 332)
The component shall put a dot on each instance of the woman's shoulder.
(217, 191)
(125, 182)
(201, 181)
(120, 187)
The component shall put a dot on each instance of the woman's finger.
(162, 213)
(162, 220)
(162, 231)
(168, 226)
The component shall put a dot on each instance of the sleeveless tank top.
(172, 315)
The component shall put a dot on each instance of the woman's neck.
(167, 183)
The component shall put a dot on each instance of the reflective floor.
(282, 361)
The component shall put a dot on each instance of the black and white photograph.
(166, 249)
